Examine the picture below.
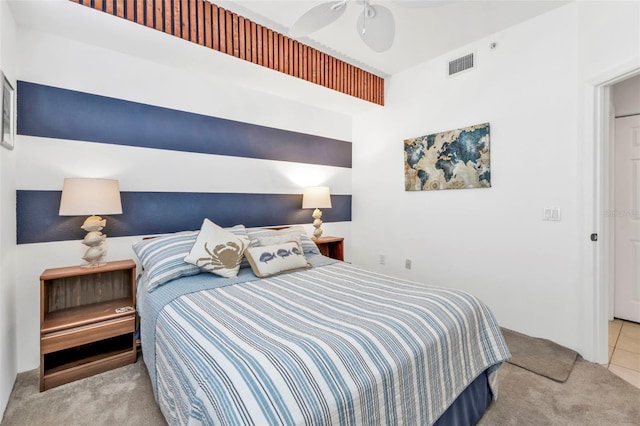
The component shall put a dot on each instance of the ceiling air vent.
(461, 64)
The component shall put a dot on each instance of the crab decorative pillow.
(217, 250)
(271, 260)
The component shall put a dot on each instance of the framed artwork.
(455, 159)
(8, 113)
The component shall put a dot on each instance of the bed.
(329, 344)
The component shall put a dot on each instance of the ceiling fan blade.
(378, 29)
(317, 17)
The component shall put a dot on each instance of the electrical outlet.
(407, 263)
(382, 259)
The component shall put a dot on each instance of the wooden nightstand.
(332, 247)
(83, 328)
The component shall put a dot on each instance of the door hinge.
(594, 237)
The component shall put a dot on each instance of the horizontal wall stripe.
(150, 170)
(148, 213)
(53, 112)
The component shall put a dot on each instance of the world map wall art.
(455, 159)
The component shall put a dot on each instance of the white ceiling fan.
(376, 26)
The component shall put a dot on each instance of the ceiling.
(423, 30)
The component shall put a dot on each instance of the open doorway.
(623, 219)
(601, 295)
(624, 141)
(598, 201)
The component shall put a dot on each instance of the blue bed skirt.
(470, 405)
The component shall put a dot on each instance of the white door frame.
(597, 169)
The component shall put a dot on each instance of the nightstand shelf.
(81, 334)
(332, 247)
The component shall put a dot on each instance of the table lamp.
(316, 197)
(84, 196)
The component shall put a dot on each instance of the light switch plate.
(551, 214)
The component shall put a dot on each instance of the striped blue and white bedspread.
(331, 345)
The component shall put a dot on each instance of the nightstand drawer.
(86, 334)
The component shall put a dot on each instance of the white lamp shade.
(316, 197)
(83, 196)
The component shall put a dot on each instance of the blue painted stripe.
(53, 112)
(146, 213)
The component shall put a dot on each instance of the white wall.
(493, 242)
(7, 225)
(43, 163)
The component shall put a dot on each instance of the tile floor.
(624, 350)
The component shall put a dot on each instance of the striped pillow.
(307, 244)
(162, 257)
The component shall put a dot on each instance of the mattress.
(335, 344)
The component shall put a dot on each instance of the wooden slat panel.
(327, 76)
(149, 13)
(207, 24)
(235, 32)
(139, 10)
(159, 18)
(241, 37)
(265, 46)
(98, 4)
(281, 54)
(313, 67)
(260, 44)
(222, 29)
(255, 42)
(109, 7)
(325, 69)
(120, 8)
(184, 19)
(375, 92)
(200, 11)
(304, 62)
(177, 26)
(229, 31)
(128, 11)
(247, 39)
(270, 48)
(290, 55)
(332, 75)
(168, 17)
(215, 27)
(193, 24)
(296, 66)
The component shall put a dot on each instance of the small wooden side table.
(87, 321)
(332, 247)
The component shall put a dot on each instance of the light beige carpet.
(591, 396)
(540, 356)
(119, 397)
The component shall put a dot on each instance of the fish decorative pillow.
(275, 259)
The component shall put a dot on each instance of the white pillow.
(275, 259)
(307, 244)
(279, 237)
(217, 250)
